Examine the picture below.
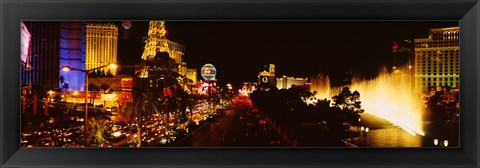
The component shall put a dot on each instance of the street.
(384, 134)
(233, 128)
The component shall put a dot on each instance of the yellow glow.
(321, 84)
(75, 93)
(117, 134)
(51, 92)
(65, 68)
(113, 66)
(391, 96)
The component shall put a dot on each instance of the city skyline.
(290, 84)
(240, 50)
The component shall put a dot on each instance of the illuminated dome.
(208, 72)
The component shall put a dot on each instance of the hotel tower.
(437, 59)
(101, 46)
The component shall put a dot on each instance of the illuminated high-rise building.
(54, 45)
(101, 46)
(437, 59)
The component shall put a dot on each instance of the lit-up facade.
(25, 43)
(247, 88)
(267, 76)
(54, 45)
(72, 53)
(101, 46)
(437, 59)
(286, 82)
(157, 42)
(192, 75)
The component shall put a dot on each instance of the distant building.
(267, 76)
(437, 59)
(205, 87)
(192, 75)
(248, 88)
(157, 42)
(286, 82)
(182, 68)
(403, 53)
(101, 46)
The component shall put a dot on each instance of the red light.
(395, 47)
(127, 24)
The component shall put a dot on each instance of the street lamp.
(50, 93)
(437, 143)
(364, 132)
(359, 123)
(112, 66)
(87, 71)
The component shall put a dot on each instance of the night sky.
(240, 49)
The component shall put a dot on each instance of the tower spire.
(157, 40)
(157, 30)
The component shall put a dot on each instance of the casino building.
(437, 59)
(286, 82)
(267, 76)
(52, 46)
(157, 42)
(192, 75)
(101, 46)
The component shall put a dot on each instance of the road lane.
(232, 129)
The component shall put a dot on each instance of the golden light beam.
(390, 96)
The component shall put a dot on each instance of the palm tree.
(145, 102)
(98, 128)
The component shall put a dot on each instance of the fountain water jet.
(321, 84)
(391, 96)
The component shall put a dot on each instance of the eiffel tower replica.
(156, 47)
(157, 40)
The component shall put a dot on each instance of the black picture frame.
(13, 11)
